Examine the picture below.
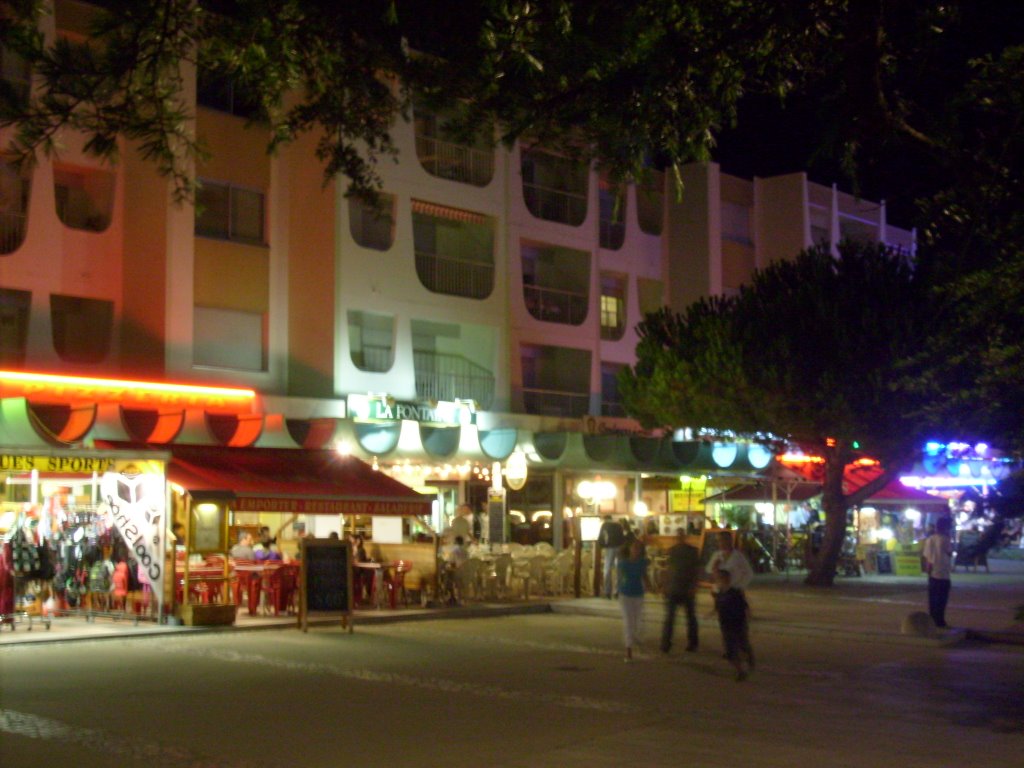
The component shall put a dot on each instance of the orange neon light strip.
(126, 392)
(799, 458)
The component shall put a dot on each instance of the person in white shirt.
(938, 562)
(730, 559)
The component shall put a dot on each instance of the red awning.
(302, 481)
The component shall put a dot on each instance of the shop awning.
(301, 481)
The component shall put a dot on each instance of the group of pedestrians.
(730, 572)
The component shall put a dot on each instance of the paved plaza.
(837, 684)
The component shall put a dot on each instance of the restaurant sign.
(384, 408)
(71, 465)
(314, 506)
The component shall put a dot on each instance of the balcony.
(455, 162)
(554, 305)
(441, 376)
(549, 402)
(455, 276)
(556, 205)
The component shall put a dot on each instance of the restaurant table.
(254, 579)
(379, 574)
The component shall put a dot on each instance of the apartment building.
(483, 305)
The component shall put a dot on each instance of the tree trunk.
(833, 501)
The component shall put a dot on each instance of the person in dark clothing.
(681, 589)
(610, 538)
(733, 614)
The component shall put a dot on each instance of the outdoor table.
(379, 572)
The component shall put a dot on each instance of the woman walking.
(633, 580)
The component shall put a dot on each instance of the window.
(222, 93)
(611, 404)
(229, 212)
(372, 225)
(14, 196)
(445, 158)
(554, 188)
(556, 283)
(613, 306)
(650, 295)
(736, 223)
(454, 250)
(229, 338)
(556, 380)
(650, 201)
(371, 339)
(15, 307)
(612, 219)
(85, 197)
(17, 78)
(82, 328)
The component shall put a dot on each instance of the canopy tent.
(293, 480)
(792, 486)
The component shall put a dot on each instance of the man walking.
(938, 561)
(730, 559)
(610, 538)
(681, 589)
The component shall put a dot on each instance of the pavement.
(984, 606)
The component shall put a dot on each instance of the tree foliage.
(619, 81)
(809, 351)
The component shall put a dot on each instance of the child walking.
(733, 614)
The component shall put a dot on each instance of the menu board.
(325, 581)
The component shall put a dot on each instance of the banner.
(138, 505)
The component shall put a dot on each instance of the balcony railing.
(455, 276)
(12, 231)
(455, 162)
(556, 306)
(553, 204)
(550, 402)
(441, 376)
(376, 359)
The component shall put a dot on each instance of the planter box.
(214, 614)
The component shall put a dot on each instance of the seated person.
(243, 550)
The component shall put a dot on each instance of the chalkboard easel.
(325, 580)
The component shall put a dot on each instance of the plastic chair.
(497, 582)
(395, 583)
(282, 585)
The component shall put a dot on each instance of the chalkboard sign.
(708, 546)
(325, 581)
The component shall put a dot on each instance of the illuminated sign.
(58, 464)
(314, 506)
(384, 408)
(45, 387)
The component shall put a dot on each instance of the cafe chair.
(395, 583)
(497, 577)
(282, 587)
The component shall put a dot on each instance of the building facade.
(505, 285)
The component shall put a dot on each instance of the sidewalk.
(982, 607)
